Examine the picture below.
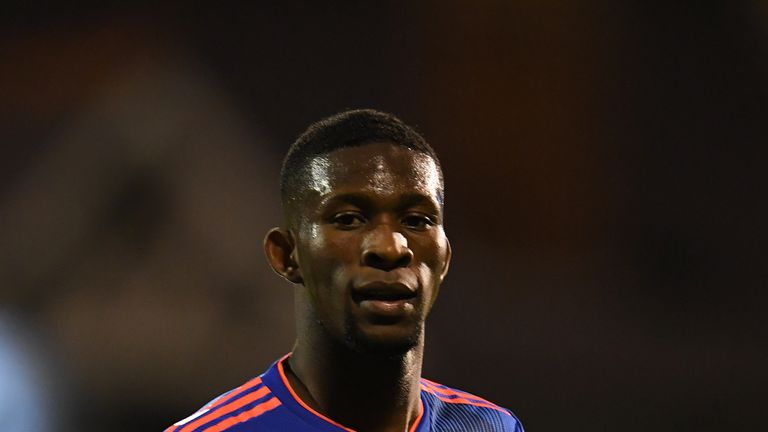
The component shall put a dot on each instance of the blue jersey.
(268, 403)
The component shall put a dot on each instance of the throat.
(359, 391)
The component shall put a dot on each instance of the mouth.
(385, 299)
(383, 291)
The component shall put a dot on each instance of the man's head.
(363, 197)
(347, 129)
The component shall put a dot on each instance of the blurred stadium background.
(605, 184)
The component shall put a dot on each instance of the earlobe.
(279, 247)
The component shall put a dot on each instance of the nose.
(386, 249)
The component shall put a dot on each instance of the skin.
(367, 254)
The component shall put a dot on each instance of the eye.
(348, 220)
(418, 222)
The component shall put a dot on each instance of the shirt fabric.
(268, 403)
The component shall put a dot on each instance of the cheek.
(433, 253)
(426, 275)
(429, 269)
(330, 245)
(431, 286)
(327, 253)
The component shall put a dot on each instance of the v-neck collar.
(277, 381)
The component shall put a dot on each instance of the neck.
(361, 391)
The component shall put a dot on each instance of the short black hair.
(346, 129)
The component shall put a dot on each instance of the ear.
(280, 249)
(447, 263)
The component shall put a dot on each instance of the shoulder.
(249, 403)
(453, 409)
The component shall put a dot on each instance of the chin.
(382, 341)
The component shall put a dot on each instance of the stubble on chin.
(362, 343)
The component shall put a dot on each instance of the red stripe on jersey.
(246, 415)
(418, 419)
(448, 391)
(226, 409)
(444, 395)
(233, 394)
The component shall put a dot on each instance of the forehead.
(381, 169)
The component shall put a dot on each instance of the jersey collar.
(275, 379)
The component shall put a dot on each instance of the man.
(364, 246)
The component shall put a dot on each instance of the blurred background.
(605, 187)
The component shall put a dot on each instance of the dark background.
(605, 187)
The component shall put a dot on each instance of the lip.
(385, 302)
(387, 311)
(383, 292)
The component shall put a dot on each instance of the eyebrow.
(365, 201)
